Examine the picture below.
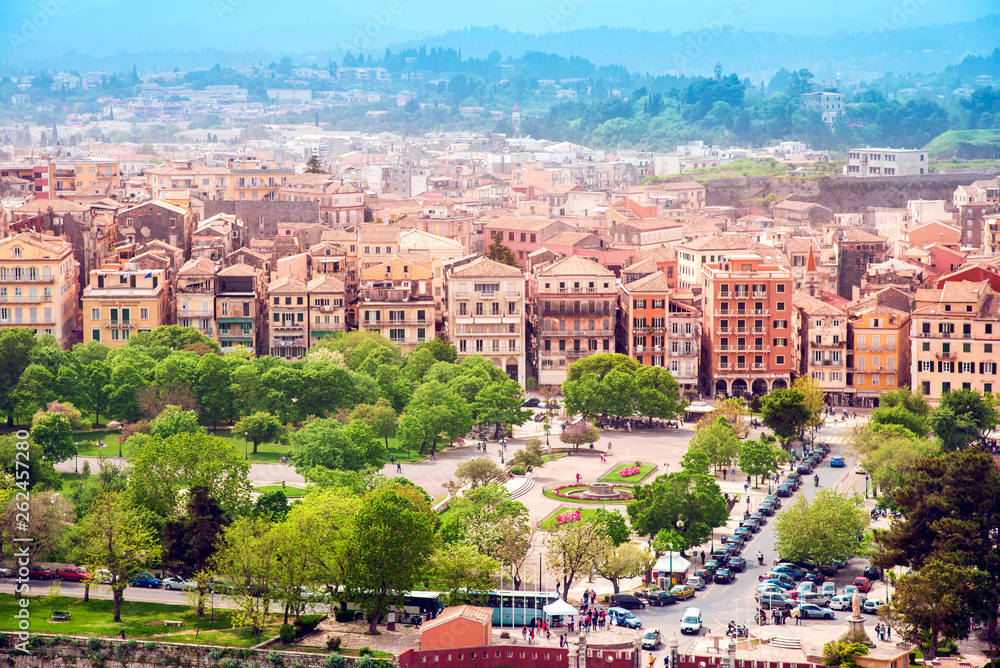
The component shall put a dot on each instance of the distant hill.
(965, 145)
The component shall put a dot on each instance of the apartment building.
(39, 285)
(886, 162)
(217, 237)
(327, 301)
(747, 325)
(881, 352)
(195, 296)
(211, 183)
(486, 315)
(255, 180)
(339, 203)
(395, 299)
(823, 345)
(829, 105)
(240, 307)
(573, 316)
(123, 301)
(856, 251)
(954, 331)
(289, 314)
(156, 219)
(660, 326)
(63, 178)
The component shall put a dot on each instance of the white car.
(859, 469)
(102, 576)
(871, 605)
(828, 589)
(695, 583)
(174, 582)
(842, 602)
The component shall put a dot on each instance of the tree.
(380, 417)
(657, 394)
(626, 560)
(433, 410)
(758, 458)
(212, 387)
(259, 427)
(613, 525)
(829, 527)
(734, 410)
(814, 398)
(460, 568)
(902, 416)
(247, 557)
(273, 505)
(498, 252)
(15, 348)
(48, 515)
(718, 442)
(580, 433)
(54, 435)
(477, 472)
(696, 461)
(172, 420)
(380, 568)
(574, 549)
(501, 403)
(440, 349)
(963, 417)
(689, 502)
(785, 413)
(529, 455)
(98, 387)
(34, 390)
(325, 442)
(163, 466)
(117, 538)
(921, 606)
(190, 540)
(889, 452)
(903, 396)
(314, 165)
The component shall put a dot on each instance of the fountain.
(601, 491)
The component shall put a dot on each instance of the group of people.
(883, 632)
(540, 627)
(591, 617)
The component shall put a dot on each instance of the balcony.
(120, 324)
(649, 330)
(580, 353)
(27, 279)
(759, 349)
(944, 356)
(828, 344)
(759, 366)
(684, 353)
(724, 366)
(25, 299)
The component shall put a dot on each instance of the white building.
(886, 162)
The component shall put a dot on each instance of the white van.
(691, 621)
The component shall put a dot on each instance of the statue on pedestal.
(856, 605)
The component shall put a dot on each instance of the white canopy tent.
(560, 608)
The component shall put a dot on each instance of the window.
(143, 313)
(95, 314)
(780, 287)
(780, 306)
(966, 367)
(987, 347)
(925, 346)
(779, 360)
(989, 329)
(926, 366)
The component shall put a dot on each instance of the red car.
(73, 574)
(863, 584)
(39, 573)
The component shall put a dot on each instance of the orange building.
(458, 626)
(747, 325)
(881, 361)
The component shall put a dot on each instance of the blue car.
(145, 580)
(837, 462)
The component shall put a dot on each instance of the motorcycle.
(816, 480)
(760, 559)
(737, 630)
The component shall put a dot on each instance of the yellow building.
(881, 339)
(120, 302)
(38, 285)
(395, 300)
(65, 177)
(252, 179)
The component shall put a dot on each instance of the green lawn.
(549, 458)
(70, 481)
(550, 524)
(96, 617)
(241, 637)
(290, 492)
(644, 471)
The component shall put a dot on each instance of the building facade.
(195, 296)
(881, 352)
(120, 302)
(39, 288)
(823, 345)
(886, 162)
(395, 299)
(240, 307)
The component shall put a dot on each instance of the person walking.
(399, 467)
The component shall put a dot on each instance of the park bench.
(59, 616)
(173, 622)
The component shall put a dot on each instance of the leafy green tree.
(325, 442)
(125, 384)
(657, 394)
(161, 467)
(172, 420)
(35, 389)
(434, 410)
(190, 540)
(691, 503)
(380, 417)
(734, 410)
(574, 549)
(829, 527)
(41, 474)
(589, 391)
(902, 416)
(48, 516)
(90, 352)
(212, 387)
(54, 435)
(272, 505)
(626, 560)
(357, 346)
(98, 387)
(613, 524)
(718, 442)
(314, 165)
(814, 398)
(441, 350)
(379, 567)
(249, 393)
(117, 538)
(903, 396)
(758, 458)
(921, 606)
(963, 417)
(259, 427)
(580, 433)
(501, 403)
(393, 386)
(459, 568)
(696, 461)
(498, 252)
(247, 557)
(785, 413)
(15, 349)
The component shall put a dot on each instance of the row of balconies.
(742, 312)
(828, 344)
(26, 279)
(602, 333)
(737, 348)
(942, 335)
(25, 299)
(828, 362)
(740, 366)
(741, 330)
(756, 294)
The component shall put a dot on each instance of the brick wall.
(489, 656)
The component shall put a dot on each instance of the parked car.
(774, 501)
(873, 573)
(721, 554)
(815, 577)
(533, 402)
(805, 586)
(827, 569)
(736, 564)
(751, 524)
(794, 479)
(784, 490)
(711, 566)
(683, 592)
(651, 639)
(626, 601)
(863, 584)
(695, 582)
(623, 617)
(743, 532)
(145, 580)
(850, 590)
(6, 572)
(870, 606)
(842, 602)
(724, 576)
(812, 611)
(766, 508)
(789, 570)
(772, 600)
(691, 621)
(73, 574)
(661, 598)
(786, 580)
(760, 517)
(787, 586)
(702, 575)
(736, 544)
(813, 597)
(36, 572)
(803, 468)
(102, 576)
(837, 462)
(175, 582)
(859, 469)
(828, 589)
(766, 588)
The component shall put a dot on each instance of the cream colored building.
(195, 295)
(395, 299)
(289, 313)
(38, 285)
(123, 301)
(327, 297)
(486, 314)
(823, 344)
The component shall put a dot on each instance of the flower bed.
(573, 492)
(569, 516)
(634, 472)
(629, 471)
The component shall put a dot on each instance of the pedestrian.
(609, 445)
(888, 632)
(733, 473)
(392, 459)
(723, 474)
(524, 633)
(748, 480)
(703, 557)
(433, 452)
(562, 640)
(399, 467)
(746, 487)
(652, 660)
(795, 615)
(532, 638)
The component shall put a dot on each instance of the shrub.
(274, 658)
(344, 616)
(365, 651)
(4, 640)
(94, 643)
(365, 662)
(149, 645)
(334, 661)
(333, 643)
(229, 663)
(132, 644)
(306, 624)
(518, 470)
(215, 654)
(287, 634)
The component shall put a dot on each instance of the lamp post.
(121, 430)
(866, 485)
(76, 467)
(546, 421)
(746, 515)
(246, 447)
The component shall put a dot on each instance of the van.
(770, 600)
(691, 621)
(814, 598)
(626, 601)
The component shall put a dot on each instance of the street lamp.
(866, 485)
(246, 447)
(121, 429)
(76, 467)
(546, 421)
(746, 515)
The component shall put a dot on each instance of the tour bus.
(518, 608)
(425, 603)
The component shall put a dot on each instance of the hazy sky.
(105, 26)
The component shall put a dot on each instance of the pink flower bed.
(558, 490)
(569, 516)
(629, 471)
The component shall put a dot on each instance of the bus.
(518, 608)
(425, 603)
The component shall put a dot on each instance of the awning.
(699, 409)
(671, 562)
(560, 608)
